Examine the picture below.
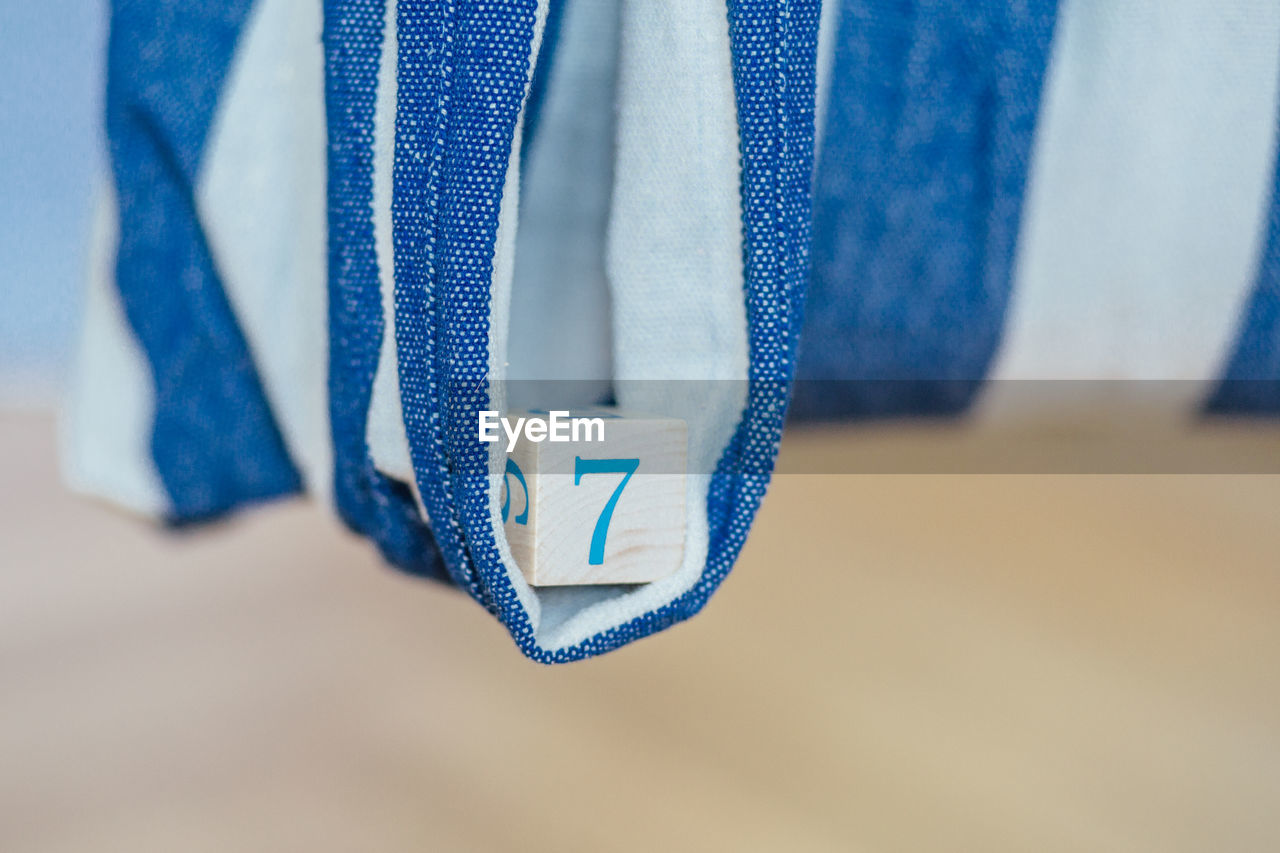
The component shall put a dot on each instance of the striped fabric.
(1017, 192)
(337, 229)
(305, 276)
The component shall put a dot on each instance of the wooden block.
(608, 511)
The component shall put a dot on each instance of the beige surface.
(897, 664)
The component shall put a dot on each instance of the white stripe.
(261, 197)
(384, 427)
(105, 428)
(560, 283)
(1146, 202)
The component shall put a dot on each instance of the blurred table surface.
(897, 663)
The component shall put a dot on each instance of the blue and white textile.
(335, 229)
(1043, 190)
(266, 319)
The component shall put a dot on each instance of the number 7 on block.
(605, 511)
(625, 467)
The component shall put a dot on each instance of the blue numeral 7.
(626, 467)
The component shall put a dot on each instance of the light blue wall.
(51, 60)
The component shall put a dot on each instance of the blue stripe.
(461, 78)
(930, 119)
(461, 82)
(214, 441)
(1251, 383)
(774, 54)
(367, 500)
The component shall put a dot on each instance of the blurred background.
(51, 59)
(899, 662)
